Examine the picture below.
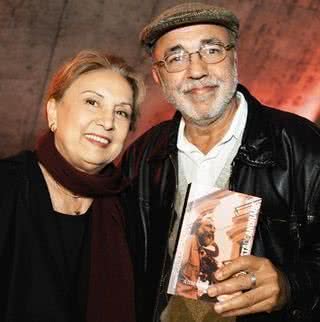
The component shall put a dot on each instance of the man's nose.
(197, 68)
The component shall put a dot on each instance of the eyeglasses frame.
(163, 62)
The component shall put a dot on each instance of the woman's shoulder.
(13, 184)
(14, 167)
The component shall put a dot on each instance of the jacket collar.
(258, 142)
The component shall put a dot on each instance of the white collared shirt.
(205, 168)
(194, 166)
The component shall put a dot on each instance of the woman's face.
(92, 119)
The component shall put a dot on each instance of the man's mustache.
(199, 83)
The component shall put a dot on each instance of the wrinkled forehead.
(190, 38)
(208, 220)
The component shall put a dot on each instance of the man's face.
(202, 92)
(205, 233)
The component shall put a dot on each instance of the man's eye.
(213, 50)
(175, 59)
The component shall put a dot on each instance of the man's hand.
(265, 287)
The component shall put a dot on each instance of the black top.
(44, 256)
(74, 231)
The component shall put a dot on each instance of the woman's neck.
(64, 200)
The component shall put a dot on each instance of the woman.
(63, 251)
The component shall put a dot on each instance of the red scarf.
(110, 291)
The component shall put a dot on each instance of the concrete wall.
(279, 54)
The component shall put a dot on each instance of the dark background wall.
(279, 54)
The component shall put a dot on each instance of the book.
(217, 226)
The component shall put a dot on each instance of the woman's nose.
(106, 119)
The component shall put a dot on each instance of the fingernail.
(218, 308)
(218, 275)
(212, 291)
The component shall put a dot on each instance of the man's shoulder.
(155, 133)
(273, 120)
(286, 135)
(294, 125)
(155, 142)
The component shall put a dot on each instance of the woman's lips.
(98, 139)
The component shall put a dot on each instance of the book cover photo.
(216, 227)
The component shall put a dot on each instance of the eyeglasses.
(209, 53)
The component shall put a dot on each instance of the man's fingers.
(245, 301)
(241, 282)
(264, 306)
(260, 283)
(240, 264)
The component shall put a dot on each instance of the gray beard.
(218, 108)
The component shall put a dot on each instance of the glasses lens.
(213, 53)
(177, 62)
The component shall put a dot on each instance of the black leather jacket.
(279, 160)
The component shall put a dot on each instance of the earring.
(52, 127)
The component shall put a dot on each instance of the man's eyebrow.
(172, 50)
(94, 92)
(179, 47)
(210, 41)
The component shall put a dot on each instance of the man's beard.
(225, 92)
(206, 238)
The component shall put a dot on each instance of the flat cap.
(187, 14)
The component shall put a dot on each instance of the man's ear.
(155, 75)
(235, 57)
(52, 113)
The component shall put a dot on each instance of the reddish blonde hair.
(89, 60)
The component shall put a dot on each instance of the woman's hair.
(89, 60)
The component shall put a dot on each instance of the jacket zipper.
(231, 185)
(162, 275)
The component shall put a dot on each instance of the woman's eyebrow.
(125, 103)
(91, 91)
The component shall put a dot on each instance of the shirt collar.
(235, 130)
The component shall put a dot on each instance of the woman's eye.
(92, 102)
(123, 114)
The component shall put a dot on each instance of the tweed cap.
(186, 14)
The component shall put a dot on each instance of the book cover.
(217, 226)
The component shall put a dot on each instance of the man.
(198, 262)
(222, 135)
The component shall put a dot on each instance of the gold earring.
(52, 127)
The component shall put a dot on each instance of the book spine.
(251, 228)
